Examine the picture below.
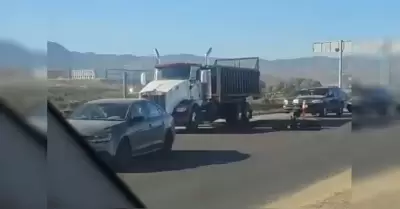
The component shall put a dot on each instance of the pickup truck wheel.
(193, 122)
(323, 113)
(339, 112)
(123, 156)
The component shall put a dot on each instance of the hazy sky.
(266, 28)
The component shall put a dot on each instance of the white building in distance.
(84, 74)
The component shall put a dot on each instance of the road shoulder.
(379, 191)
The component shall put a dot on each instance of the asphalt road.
(220, 168)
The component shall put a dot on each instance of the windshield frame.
(87, 106)
(178, 71)
(174, 72)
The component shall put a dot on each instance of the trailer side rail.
(243, 62)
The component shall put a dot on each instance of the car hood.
(90, 127)
(310, 97)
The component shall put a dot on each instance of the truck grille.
(158, 99)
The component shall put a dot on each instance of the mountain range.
(323, 69)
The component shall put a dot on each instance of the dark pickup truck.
(320, 101)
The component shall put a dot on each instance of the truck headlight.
(296, 101)
(181, 109)
(317, 101)
(99, 138)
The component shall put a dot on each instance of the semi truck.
(196, 93)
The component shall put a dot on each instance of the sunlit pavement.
(231, 169)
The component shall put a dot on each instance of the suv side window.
(153, 110)
(138, 109)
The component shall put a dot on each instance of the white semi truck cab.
(201, 93)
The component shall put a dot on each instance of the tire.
(339, 113)
(168, 143)
(232, 115)
(193, 122)
(349, 108)
(245, 115)
(323, 113)
(123, 156)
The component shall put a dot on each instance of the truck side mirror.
(143, 79)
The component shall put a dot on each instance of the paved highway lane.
(218, 168)
(375, 148)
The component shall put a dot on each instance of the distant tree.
(289, 87)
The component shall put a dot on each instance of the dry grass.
(67, 94)
(23, 95)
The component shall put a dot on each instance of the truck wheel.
(232, 117)
(123, 156)
(245, 115)
(193, 123)
(382, 111)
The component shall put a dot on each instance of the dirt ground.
(341, 192)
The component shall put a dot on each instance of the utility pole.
(124, 84)
(386, 71)
(339, 47)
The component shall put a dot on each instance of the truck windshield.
(175, 73)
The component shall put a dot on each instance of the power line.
(339, 47)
